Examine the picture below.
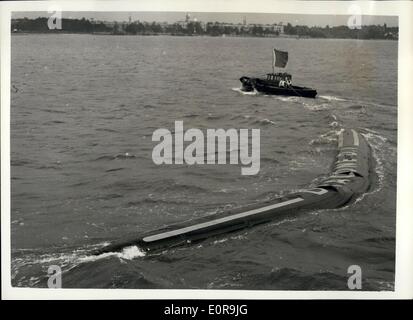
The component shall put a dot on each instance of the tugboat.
(277, 83)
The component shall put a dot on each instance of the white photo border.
(404, 221)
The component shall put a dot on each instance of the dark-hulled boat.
(270, 86)
(277, 83)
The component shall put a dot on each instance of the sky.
(263, 18)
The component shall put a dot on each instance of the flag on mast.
(280, 58)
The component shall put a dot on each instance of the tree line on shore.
(211, 29)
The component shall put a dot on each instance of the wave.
(356, 107)
(316, 107)
(248, 93)
(157, 202)
(376, 143)
(380, 239)
(176, 187)
(107, 129)
(287, 99)
(190, 115)
(114, 169)
(327, 138)
(211, 116)
(333, 124)
(53, 122)
(121, 156)
(269, 160)
(371, 131)
(53, 111)
(19, 163)
(128, 253)
(264, 122)
(67, 261)
(385, 285)
(241, 117)
(332, 98)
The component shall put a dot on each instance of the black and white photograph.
(203, 149)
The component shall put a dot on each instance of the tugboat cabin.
(281, 79)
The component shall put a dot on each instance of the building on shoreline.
(191, 26)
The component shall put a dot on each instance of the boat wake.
(287, 99)
(316, 107)
(128, 253)
(67, 261)
(376, 142)
(247, 93)
(327, 138)
(332, 98)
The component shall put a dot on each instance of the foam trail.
(316, 107)
(77, 257)
(287, 99)
(332, 98)
(128, 253)
(250, 93)
(265, 121)
(376, 143)
(328, 137)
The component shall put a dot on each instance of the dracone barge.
(348, 180)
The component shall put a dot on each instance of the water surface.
(82, 116)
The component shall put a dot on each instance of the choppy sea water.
(83, 111)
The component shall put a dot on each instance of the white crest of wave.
(220, 241)
(316, 107)
(376, 143)
(267, 121)
(131, 252)
(334, 124)
(285, 221)
(251, 93)
(332, 98)
(128, 253)
(328, 137)
(287, 99)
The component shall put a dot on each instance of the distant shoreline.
(196, 28)
(198, 35)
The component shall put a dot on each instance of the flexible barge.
(349, 179)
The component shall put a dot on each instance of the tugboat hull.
(266, 87)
